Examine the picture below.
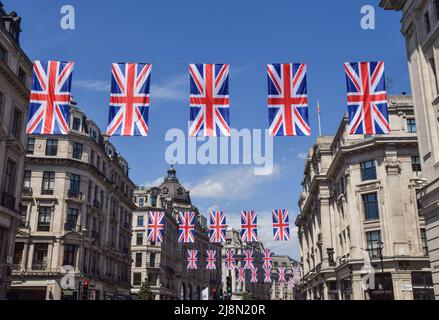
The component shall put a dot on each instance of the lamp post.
(380, 252)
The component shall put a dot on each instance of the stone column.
(402, 282)
(357, 289)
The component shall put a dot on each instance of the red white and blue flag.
(211, 260)
(288, 100)
(292, 283)
(241, 275)
(209, 100)
(155, 226)
(129, 100)
(267, 259)
(281, 225)
(367, 98)
(248, 259)
(254, 277)
(218, 227)
(230, 259)
(267, 275)
(186, 227)
(192, 259)
(281, 274)
(49, 102)
(249, 226)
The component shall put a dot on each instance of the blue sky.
(247, 35)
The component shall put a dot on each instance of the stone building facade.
(164, 265)
(358, 213)
(285, 291)
(15, 80)
(420, 27)
(76, 211)
(246, 289)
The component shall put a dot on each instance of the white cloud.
(154, 183)
(303, 155)
(231, 184)
(93, 85)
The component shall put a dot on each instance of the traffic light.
(85, 284)
(221, 294)
(229, 285)
(214, 294)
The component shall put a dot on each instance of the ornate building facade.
(76, 211)
(420, 27)
(285, 291)
(245, 289)
(164, 265)
(15, 79)
(359, 218)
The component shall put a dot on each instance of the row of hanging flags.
(247, 264)
(218, 226)
(209, 99)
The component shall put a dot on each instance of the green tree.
(145, 291)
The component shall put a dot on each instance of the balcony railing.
(8, 201)
(39, 266)
(48, 192)
(27, 192)
(75, 195)
(69, 226)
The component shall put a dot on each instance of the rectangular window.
(433, 73)
(44, 218)
(137, 279)
(373, 238)
(51, 147)
(75, 183)
(77, 151)
(141, 202)
(424, 242)
(72, 219)
(27, 179)
(370, 202)
(138, 259)
(154, 200)
(411, 125)
(427, 22)
(22, 75)
(39, 261)
(30, 148)
(436, 6)
(16, 124)
(48, 182)
(139, 239)
(368, 170)
(3, 55)
(9, 182)
(416, 164)
(152, 260)
(140, 221)
(76, 124)
(69, 255)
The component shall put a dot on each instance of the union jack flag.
(192, 259)
(209, 101)
(288, 100)
(254, 277)
(129, 100)
(267, 275)
(267, 258)
(186, 227)
(248, 259)
(249, 226)
(230, 259)
(211, 260)
(281, 225)
(155, 226)
(292, 283)
(241, 274)
(367, 98)
(218, 227)
(49, 102)
(281, 274)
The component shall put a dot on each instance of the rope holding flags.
(49, 103)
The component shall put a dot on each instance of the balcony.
(39, 265)
(8, 201)
(68, 226)
(47, 192)
(27, 192)
(74, 195)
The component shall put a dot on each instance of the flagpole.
(320, 124)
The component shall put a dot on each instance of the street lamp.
(380, 252)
